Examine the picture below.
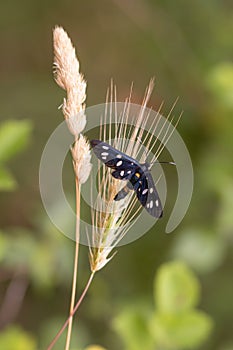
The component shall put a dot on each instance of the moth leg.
(130, 186)
(122, 193)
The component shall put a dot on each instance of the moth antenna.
(151, 164)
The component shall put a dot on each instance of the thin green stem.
(75, 272)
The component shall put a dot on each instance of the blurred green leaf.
(191, 244)
(7, 182)
(220, 82)
(22, 247)
(42, 266)
(176, 289)
(14, 137)
(13, 338)
(175, 325)
(133, 327)
(183, 331)
(45, 259)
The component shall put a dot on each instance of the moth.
(137, 175)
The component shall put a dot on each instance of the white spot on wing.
(157, 203)
(145, 191)
(122, 173)
(104, 154)
(105, 147)
(129, 172)
(151, 190)
(119, 156)
(148, 205)
(104, 158)
(151, 204)
(119, 163)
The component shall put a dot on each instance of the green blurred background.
(187, 46)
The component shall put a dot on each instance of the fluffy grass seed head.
(68, 77)
(81, 159)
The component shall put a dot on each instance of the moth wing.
(153, 203)
(121, 175)
(124, 168)
(141, 189)
(111, 157)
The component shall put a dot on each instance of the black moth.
(137, 175)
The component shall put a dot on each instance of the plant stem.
(75, 273)
(51, 345)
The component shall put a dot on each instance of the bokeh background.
(187, 46)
